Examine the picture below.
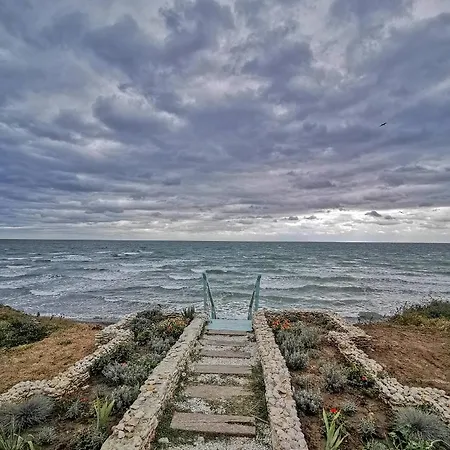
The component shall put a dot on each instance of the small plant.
(124, 396)
(296, 360)
(367, 427)
(46, 436)
(189, 313)
(308, 401)
(160, 346)
(358, 378)
(420, 425)
(310, 337)
(349, 408)
(335, 377)
(334, 433)
(173, 327)
(103, 409)
(13, 441)
(77, 409)
(31, 412)
(302, 381)
(88, 439)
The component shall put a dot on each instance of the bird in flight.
(383, 124)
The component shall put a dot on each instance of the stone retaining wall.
(111, 331)
(391, 390)
(137, 428)
(285, 425)
(72, 378)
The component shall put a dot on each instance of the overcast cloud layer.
(207, 119)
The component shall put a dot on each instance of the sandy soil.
(416, 356)
(46, 358)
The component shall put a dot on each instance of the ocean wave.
(45, 293)
(321, 287)
(77, 258)
(182, 277)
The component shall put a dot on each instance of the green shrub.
(359, 378)
(335, 377)
(302, 381)
(132, 373)
(349, 408)
(310, 337)
(119, 354)
(29, 413)
(308, 401)
(367, 427)
(77, 409)
(45, 436)
(20, 331)
(88, 439)
(420, 425)
(160, 346)
(296, 360)
(124, 397)
(433, 309)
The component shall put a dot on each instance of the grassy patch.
(435, 313)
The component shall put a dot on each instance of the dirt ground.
(46, 358)
(414, 355)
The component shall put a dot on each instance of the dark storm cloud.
(223, 116)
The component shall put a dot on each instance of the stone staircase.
(217, 406)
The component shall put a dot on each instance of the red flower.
(84, 399)
(334, 411)
(363, 378)
(123, 364)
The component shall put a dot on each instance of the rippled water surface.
(87, 279)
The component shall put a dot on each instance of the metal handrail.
(254, 302)
(207, 296)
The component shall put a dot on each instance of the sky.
(225, 119)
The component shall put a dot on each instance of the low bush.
(433, 309)
(296, 360)
(124, 397)
(420, 425)
(20, 331)
(308, 401)
(88, 439)
(45, 436)
(77, 409)
(358, 378)
(367, 427)
(120, 354)
(349, 408)
(335, 377)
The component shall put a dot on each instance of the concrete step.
(214, 392)
(222, 369)
(224, 353)
(214, 424)
(207, 340)
(226, 332)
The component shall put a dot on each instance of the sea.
(108, 279)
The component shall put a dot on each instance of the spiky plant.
(421, 425)
(31, 412)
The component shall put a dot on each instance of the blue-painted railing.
(210, 307)
(254, 302)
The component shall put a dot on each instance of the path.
(220, 403)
